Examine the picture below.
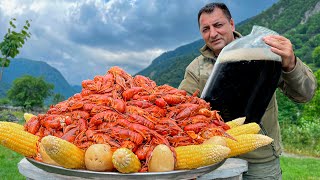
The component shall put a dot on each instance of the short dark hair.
(209, 8)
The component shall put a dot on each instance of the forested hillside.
(297, 20)
(20, 67)
(168, 68)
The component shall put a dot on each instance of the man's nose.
(213, 32)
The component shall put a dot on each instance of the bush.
(301, 139)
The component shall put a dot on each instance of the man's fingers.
(276, 37)
(275, 43)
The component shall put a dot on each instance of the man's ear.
(232, 24)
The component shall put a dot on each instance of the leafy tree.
(311, 111)
(29, 91)
(316, 56)
(58, 98)
(12, 42)
(289, 111)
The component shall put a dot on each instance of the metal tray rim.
(193, 173)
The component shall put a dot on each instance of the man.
(297, 82)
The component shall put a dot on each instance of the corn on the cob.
(125, 161)
(194, 156)
(44, 156)
(246, 143)
(236, 122)
(250, 128)
(220, 140)
(18, 140)
(27, 116)
(13, 125)
(63, 152)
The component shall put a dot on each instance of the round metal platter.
(177, 174)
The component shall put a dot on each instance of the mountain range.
(20, 66)
(296, 20)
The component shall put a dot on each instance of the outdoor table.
(232, 169)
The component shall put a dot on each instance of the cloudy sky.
(83, 38)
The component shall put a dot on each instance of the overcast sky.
(84, 38)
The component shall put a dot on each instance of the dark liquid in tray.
(243, 88)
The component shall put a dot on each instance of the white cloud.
(12, 8)
(38, 6)
(144, 57)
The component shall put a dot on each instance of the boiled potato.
(219, 140)
(45, 157)
(98, 157)
(162, 159)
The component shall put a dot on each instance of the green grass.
(9, 164)
(300, 168)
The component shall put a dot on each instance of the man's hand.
(283, 47)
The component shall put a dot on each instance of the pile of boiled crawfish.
(131, 112)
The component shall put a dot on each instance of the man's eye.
(204, 30)
(218, 25)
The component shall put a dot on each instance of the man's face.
(216, 30)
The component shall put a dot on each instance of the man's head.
(216, 26)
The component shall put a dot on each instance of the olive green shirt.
(298, 84)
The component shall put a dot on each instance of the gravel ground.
(285, 154)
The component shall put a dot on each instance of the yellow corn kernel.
(246, 143)
(194, 156)
(63, 152)
(236, 122)
(125, 161)
(28, 116)
(15, 138)
(250, 128)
